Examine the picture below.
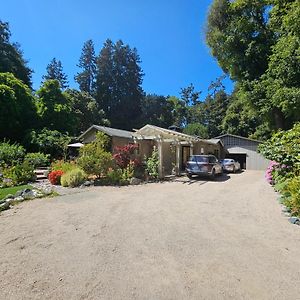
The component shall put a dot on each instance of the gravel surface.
(175, 240)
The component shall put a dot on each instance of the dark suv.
(203, 165)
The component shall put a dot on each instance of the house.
(243, 150)
(174, 147)
(118, 137)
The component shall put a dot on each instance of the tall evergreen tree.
(118, 84)
(11, 56)
(87, 64)
(55, 72)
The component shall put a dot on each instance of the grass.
(12, 190)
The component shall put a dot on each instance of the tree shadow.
(202, 179)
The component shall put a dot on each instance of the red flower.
(54, 176)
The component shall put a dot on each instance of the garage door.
(241, 158)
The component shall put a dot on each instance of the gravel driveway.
(174, 240)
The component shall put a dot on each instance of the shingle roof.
(109, 131)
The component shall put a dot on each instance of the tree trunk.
(278, 118)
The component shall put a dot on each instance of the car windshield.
(199, 158)
(228, 161)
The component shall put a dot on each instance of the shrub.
(124, 155)
(19, 174)
(97, 163)
(37, 159)
(54, 176)
(73, 178)
(152, 164)
(291, 196)
(11, 154)
(94, 159)
(48, 141)
(64, 166)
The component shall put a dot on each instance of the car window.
(199, 158)
(212, 159)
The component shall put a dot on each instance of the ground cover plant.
(284, 171)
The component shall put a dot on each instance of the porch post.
(177, 158)
(191, 149)
(160, 155)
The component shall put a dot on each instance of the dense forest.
(256, 43)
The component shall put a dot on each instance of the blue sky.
(168, 34)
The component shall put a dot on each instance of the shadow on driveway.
(202, 179)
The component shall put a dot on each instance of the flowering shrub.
(269, 172)
(125, 156)
(54, 176)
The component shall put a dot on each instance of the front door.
(185, 154)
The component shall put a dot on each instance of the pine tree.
(55, 72)
(87, 63)
(118, 84)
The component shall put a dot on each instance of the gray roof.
(109, 131)
(237, 136)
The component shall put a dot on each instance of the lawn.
(12, 190)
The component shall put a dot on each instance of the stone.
(135, 181)
(18, 193)
(19, 199)
(294, 220)
(87, 183)
(28, 194)
(3, 201)
(4, 206)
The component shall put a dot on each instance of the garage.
(244, 150)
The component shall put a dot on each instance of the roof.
(109, 131)
(152, 132)
(215, 141)
(237, 136)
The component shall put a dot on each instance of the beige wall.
(208, 148)
(119, 142)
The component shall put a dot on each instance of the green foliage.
(12, 190)
(152, 164)
(65, 166)
(55, 72)
(11, 57)
(47, 141)
(84, 110)
(19, 174)
(284, 147)
(11, 154)
(156, 110)
(73, 178)
(37, 159)
(258, 44)
(196, 129)
(17, 109)
(87, 63)
(53, 107)
(292, 196)
(94, 159)
(178, 110)
(118, 89)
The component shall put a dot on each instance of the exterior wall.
(208, 149)
(145, 148)
(119, 142)
(89, 136)
(235, 145)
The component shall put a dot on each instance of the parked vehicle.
(230, 165)
(203, 165)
